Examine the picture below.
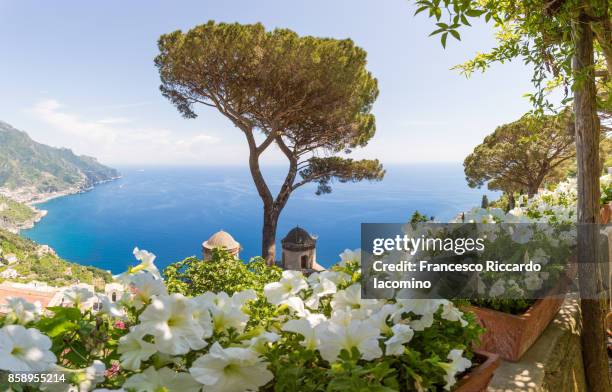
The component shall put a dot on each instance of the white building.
(9, 273)
(300, 251)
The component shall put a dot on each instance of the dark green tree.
(310, 97)
(485, 202)
(522, 155)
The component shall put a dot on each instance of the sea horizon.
(171, 209)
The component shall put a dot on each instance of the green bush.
(192, 276)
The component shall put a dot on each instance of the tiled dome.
(298, 238)
(221, 239)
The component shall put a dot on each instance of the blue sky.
(81, 75)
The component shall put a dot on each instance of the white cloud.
(117, 140)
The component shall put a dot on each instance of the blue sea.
(170, 211)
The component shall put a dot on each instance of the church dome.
(221, 239)
(298, 238)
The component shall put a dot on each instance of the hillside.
(30, 170)
(15, 216)
(31, 261)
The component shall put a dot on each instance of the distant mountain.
(32, 169)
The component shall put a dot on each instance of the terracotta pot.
(479, 378)
(605, 213)
(511, 335)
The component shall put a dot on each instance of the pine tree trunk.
(268, 235)
(587, 153)
(511, 201)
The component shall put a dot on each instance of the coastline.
(32, 198)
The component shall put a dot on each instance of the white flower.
(169, 319)
(426, 308)
(77, 296)
(357, 334)
(261, 342)
(290, 284)
(322, 286)
(164, 379)
(306, 328)
(421, 306)
(143, 287)
(91, 376)
(402, 334)
(350, 256)
(423, 323)
(458, 364)
(24, 350)
(110, 308)
(146, 262)
(540, 257)
(451, 313)
(134, 349)
(521, 233)
(232, 369)
(21, 311)
(227, 311)
(379, 318)
(350, 298)
(533, 281)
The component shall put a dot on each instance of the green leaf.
(443, 39)
(421, 9)
(474, 13)
(455, 34)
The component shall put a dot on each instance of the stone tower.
(220, 239)
(299, 250)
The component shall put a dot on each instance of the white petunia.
(91, 376)
(322, 286)
(77, 296)
(20, 311)
(533, 281)
(232, 369)
(144, 287)
(146, 262)
(379, 318)
(290, 284)
(350, 256)
(357, 334)
(422, 323)
(169, 319)
(110, 308)
(133, 349)
(457, 365)
(451, 313)
(24, 350)
(261, 342)
(306, 328)
(164, 379)
(350, 298)
(227, 311)
(402, 334)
